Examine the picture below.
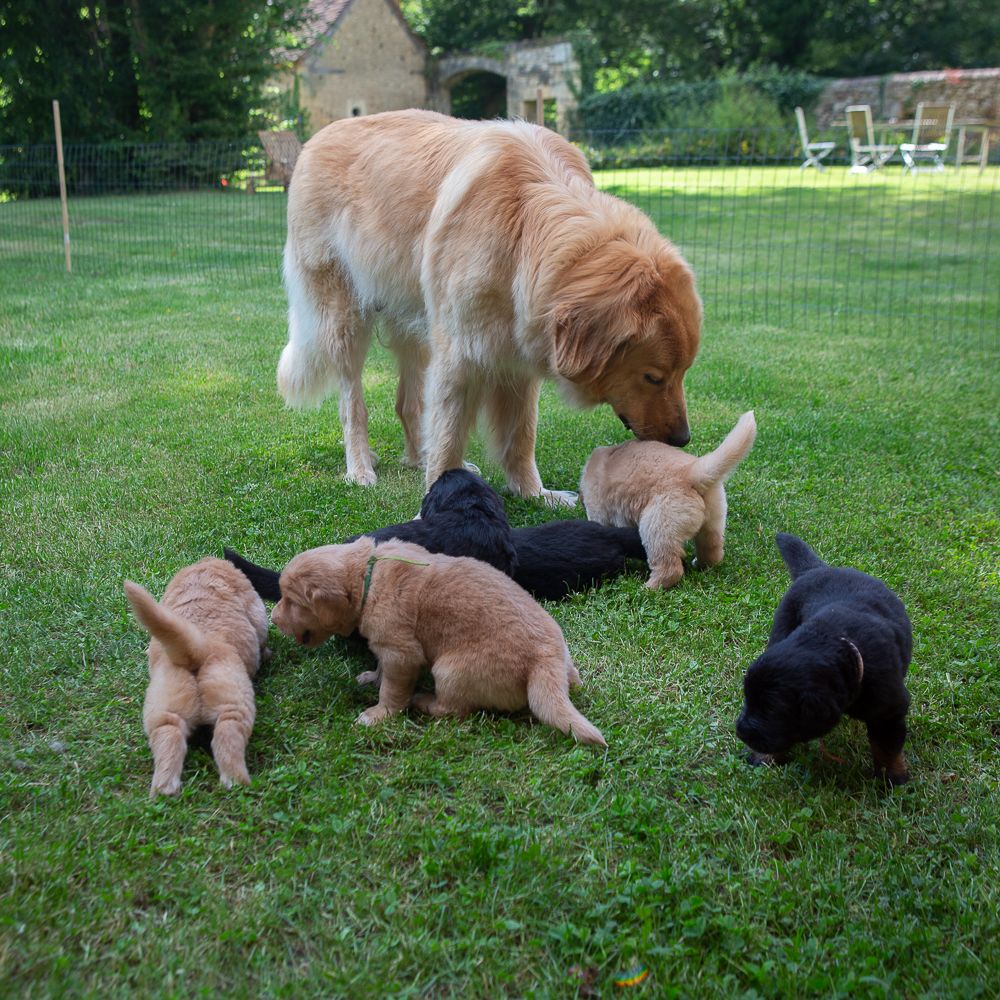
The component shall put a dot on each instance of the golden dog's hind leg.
(328, 338)
(512, 410)
(168, 734)
(354, 413)
(412, 357)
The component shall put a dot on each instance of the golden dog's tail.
(548, 699)
(184, 643)
(718, 465)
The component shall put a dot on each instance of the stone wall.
(974, 92)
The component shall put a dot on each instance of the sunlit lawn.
(140, 430)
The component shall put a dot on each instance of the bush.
(653, 106)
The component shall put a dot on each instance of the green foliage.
(173, 70)
(761, 99)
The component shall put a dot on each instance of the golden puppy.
(493, 262)
(671, 497)
(208, 636)
(487, 643)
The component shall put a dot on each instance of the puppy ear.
(327, 597)
(853, 664)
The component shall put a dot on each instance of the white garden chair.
(812, 151)
(931, 135)
(866, 154)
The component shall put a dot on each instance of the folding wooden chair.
(931, 135)
(866, 154)
(812, 151)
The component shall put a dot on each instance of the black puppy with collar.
(840, 645)
(462, 515)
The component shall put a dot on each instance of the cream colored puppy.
(487, 643)
(208, 639)
(670, 496)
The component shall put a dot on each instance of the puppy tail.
(799, 558)
(630, 542)
(718, 465)
(264, 581)
(548, 699)
(184, 643)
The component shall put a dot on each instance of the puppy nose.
(624, 420)
(679, 436)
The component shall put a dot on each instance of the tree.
(136, 69)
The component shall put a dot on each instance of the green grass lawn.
(140, 430)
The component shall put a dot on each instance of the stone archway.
(533, 71)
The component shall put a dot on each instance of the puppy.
(208, 638)
(461, 515)
(672, 497)
(487, 643)
(841, 644)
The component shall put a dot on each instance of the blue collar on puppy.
(370, 569)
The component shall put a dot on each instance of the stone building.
(360, 57)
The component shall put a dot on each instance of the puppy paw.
(169, 786)
(368, 677)
(893, 778)
(559, 498)
(236, 778)
(755, 759)
(371, 716)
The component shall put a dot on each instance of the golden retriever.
(494, 262)
(487, 643)
(671, 497)
(208, 638)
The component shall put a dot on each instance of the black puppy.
(461, 515)
(841, 644)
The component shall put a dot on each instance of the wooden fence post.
(62, 184)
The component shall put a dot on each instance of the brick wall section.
(974, 92)
(369, 63)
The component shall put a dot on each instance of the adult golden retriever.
(494, 262)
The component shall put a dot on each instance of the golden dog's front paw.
(361, 477)
(560, 498)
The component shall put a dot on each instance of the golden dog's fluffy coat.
(208, 638)
(493, 262)
(487, 643)
(671, 497)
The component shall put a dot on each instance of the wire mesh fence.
(769, 242)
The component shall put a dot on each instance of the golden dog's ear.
(598, 308)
